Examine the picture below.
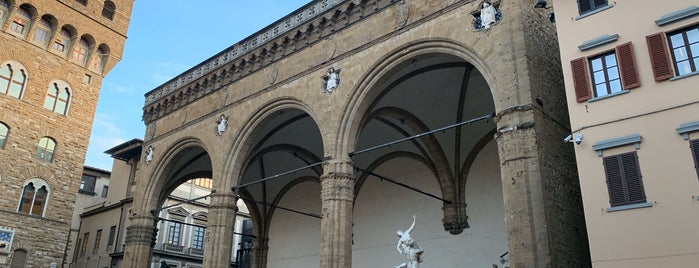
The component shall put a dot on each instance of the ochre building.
(339, 122)
(53, 57)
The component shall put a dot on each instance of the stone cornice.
(304, 27)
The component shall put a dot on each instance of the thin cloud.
(165, 71)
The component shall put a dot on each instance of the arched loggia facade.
(401, 74)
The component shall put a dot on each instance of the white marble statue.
(221, 126)
(408, 248)
(149, 155)
(332, 79)
(487, 15)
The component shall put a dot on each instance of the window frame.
(174, 233)
(98, 238)
(109, 10)
(83, 247)
(87, 186)
(198, 233)
(624, 180)
(593, 6)
(605, 70)
(15, 83)
(29, 200)
(694, 66)
(58, 97)
(583, 82)
(42, 150)
(112, 234)
(694, 147)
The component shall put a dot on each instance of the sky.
(165, 38)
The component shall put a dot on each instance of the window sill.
(592, 12)
(622, 92)
(86, 192)
(627, 207)
(684, 76)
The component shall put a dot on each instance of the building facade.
(631, 78)
(340, 121)
(101, 224)
(54, 56)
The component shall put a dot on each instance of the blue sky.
(165, 38)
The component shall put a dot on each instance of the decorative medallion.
(149, 155)
(331, 80)
(487, 16)
(221, 125)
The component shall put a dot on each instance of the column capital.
(139, 234)
(337, 165)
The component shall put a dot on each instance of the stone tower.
(54, 56)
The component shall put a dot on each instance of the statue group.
(408, 248)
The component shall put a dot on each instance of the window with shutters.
(694, 146)
(624, 179)
(586, 6)
(604, 75)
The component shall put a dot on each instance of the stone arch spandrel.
(241, 145)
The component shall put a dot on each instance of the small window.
(42, 32)
(4, 9)
(57, 98)
(45, 149)
(12, 80)
(98, 237)
(105, 191)
(585, 6)
(20, 22)
(98, 60)
(174, 232)
(685, 50)
(198, 237)
(82, 2)
(62, 42)
(3, 134)
(34, 196)
(83, 247)
(108, 10)
(624, 179)
(694, 146)
(87, 184)
(112, 234)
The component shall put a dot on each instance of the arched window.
(4, 9)
(19, 258)
(80, 51)
(45, 149)
(34, 196)
(98, 60)
(61, 43)
(3, 134)
(42, 33)
(58, 98)
(20, 22)
(108, 10)
(12, 80)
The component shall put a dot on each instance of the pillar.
(260, 247)
(337, 197)
(219, 230)
(140, 239)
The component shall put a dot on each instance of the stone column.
(337, 196)
(260, 247)
(523, 189)
(219, 230)
(140, 239)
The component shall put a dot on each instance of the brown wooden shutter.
(581, 81)
(694, 145)
(659, 57)
(632, 178)
(627, 66)
(612, 168)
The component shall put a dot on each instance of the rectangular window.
(684, 46)
(17, 26)
(624, 179)
(112, 233)
(59, 46)
(87, 185)
(41, 36)
(605, 74)
(105, 191)
(98, 238)
(83, 247)
(585, 6)
(173, 235)
(694, 145)
(198, 237)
